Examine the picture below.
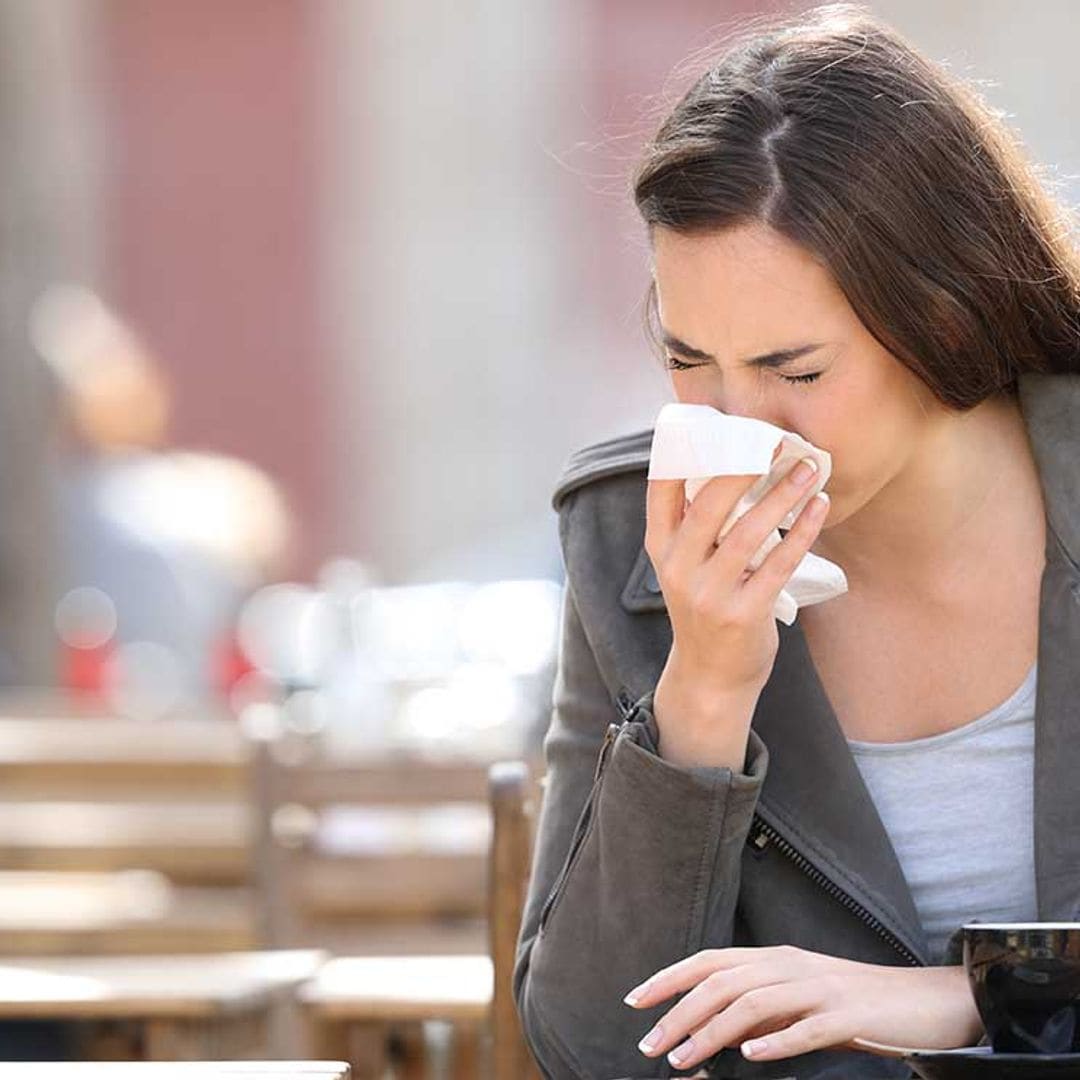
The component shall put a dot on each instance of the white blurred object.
(512, 622)
(475, 713)
(360, 706)
(443, 669)
(220, 506)
(697, 442)
(410, 631)
(288, 630)
(445, 829)
(85, 618)
(145, 678)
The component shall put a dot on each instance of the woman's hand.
(781, 1001)
(724, 636)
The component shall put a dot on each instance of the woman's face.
(746, 292)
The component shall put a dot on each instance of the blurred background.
(364, 274)
(305, 303)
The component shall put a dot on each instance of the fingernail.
(637, 993)
(754, 1046)
(804, 470)
(681, 1053)
(651, 1041)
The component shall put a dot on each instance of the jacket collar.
(813, 792)
(1051, 405)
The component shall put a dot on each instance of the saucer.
(981, 1063)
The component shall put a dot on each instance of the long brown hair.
(834, 130)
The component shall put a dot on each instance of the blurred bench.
(165, 1008)
(205, 842)
(127, 911)
(109, 758)
(84, 800)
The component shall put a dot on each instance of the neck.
(950, 513)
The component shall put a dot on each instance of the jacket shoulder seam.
(612, 457)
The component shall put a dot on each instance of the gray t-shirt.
(958, 809)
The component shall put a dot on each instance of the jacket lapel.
(815, 796)
(1051, 405)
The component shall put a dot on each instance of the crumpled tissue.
(697, 442)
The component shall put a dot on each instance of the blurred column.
(47, 199)
(451, 293)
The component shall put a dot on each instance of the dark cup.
(1026, 981)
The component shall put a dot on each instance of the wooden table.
(355, 1002)
(195, 1070)
(374, 988)
(179, 1007)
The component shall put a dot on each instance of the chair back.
(514, 794)
(369, 857)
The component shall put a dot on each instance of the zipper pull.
(758, 838)
(605, 749)
(625, 703)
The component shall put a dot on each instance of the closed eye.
(675, 364)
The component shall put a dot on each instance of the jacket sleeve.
(636, 866)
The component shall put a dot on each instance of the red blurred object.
(229, 664)
(85, 671)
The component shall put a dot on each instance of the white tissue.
(696, 442)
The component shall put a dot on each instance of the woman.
(787, 825)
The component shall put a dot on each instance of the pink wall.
(211, 194)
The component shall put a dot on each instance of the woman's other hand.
(782, 1001)
(724, 636)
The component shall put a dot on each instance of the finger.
(816, 1032)
(764, 585)
(664, 501)
(712, 995)
(705, 516)
(759, 522)
(687, 973)
(781, 1003)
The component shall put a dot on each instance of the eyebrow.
(779, 358)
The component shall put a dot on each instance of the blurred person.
(758, 843)
(160, 546)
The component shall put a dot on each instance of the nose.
(748, 410)
(746, 401)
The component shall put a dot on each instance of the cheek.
(868, 445)
(847, 429)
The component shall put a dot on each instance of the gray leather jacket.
(640, 862)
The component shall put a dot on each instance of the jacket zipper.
(762, 834)
(582, 828)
